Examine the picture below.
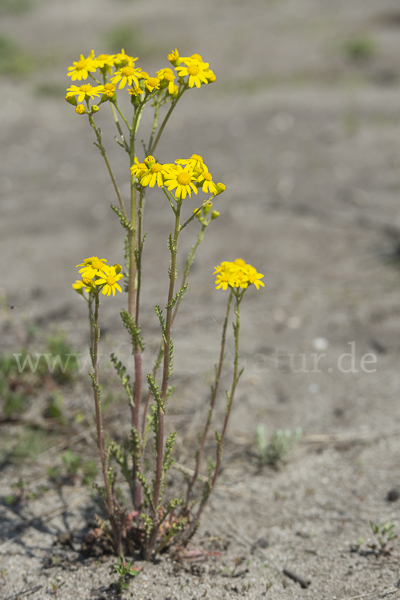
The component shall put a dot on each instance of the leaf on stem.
(124, 222)
(161, 319)
(178, 295)
(124, 377)
(133, 330)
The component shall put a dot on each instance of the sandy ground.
(306, 137)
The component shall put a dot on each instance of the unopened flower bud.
(80, 109)
(207, 208)
(220, 188)
(173, 58)
(214, 215)
(95, 108)
(71, 100)
(149, 161)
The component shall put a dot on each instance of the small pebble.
(393, 495)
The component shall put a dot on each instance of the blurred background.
(302, 125)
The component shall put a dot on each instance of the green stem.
(133, 308)
(189, 262)
(99, 426)
(220, 437)
(236, 377)
(121, 133)
(167, 116)
(104, 155)
(190, 219)
(122, 117)
(155, 123)
(214, 392)
(165, 379)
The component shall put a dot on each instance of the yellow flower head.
(84, 285)
(138, 169)
(167, 79)
(91, 266)
(206, 183)
(126, 75)
(107, 90)
(82, 67)
(196, 71)
(173, 58)
(80, 109)
(181, 181)
(237, 274)
(155, 173)
(84, 92)
(108, 279)
(195, 161)
(122, 59)
(105, 62)
(152, 83)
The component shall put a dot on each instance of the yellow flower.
(126, 75)
(155, 174)
(108, 90)
(208, 185)
(84, 285)
(135, 91)
(122, 59)
(80, 109)
(195, 162)
(152, 83)
(108, 279)
(182, 180)
(105, 62)
(237, 274)
(138, 169)
(173, 57)
(82, 67)
(84, 92)
(91, 266)
(167, 78)
(196, 71)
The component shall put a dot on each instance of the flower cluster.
(237, 274)
(95, 272)
(181, 178)
(118, 71)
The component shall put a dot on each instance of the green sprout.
(124, 570)
(278, 450)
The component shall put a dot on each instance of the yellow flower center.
(152, 81)
(86, 280)
(168, 75)
(207, 176)
(111, 280)
(86, 87)
(81, 64)
(109, 90)
(128, 71)
(183, 178)
(156, 168)
(97, 264)
(193, 70)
